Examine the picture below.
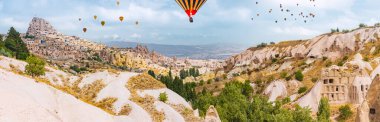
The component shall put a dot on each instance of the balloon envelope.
(191, 7)
(103, 23)
(121, 18)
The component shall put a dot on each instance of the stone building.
(341, 86)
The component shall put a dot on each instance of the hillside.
(101, 96)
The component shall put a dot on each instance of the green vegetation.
(302, 90)
(299, 76)
(163, 97)
(35, 67)
(362, 25)
(323, 110)
(186, 90)
(262, 45)
(14, 46)
(78, 69)
(335, 30)
(151, 73)
(345, 112)
(236, 103)
(191, 72)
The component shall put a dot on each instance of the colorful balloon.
(95, 17)
(121, 18)
(191, 7)
(103, 23)
(85, 30)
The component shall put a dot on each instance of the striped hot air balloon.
(191, 7)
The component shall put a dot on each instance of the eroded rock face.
(373, 99)
(332, 46)
(212, 115)
(363, 111)
(40, 27)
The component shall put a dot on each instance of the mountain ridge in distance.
(207, 51)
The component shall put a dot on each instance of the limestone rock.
(363, 111)
(40, 27)
(212, 115)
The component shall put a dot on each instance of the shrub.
(209, 81)
(362, 25)
(366, 59)
(288, 78)
(324, 58)
(163, 97)
(201, 82)
(302, 90)
(345, 112)
(35, 67)
(299, 75)
(314, 80)
(284, 74)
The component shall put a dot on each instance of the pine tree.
(16, 45)
(323, 110)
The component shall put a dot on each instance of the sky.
(164, 22)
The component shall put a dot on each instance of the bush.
(362, 25)
(35, 67)
(314, 80)
(288, 78)
(345, 112)
(324, 58)
(302, 90)
(284, 74)
(163, 97)
(299, 75)
(366, 59)
(201, 82)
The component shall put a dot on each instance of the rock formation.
(40, 27)
(362, 113)
(212, 115)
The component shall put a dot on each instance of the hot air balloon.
(95, 17)
(121, 18)
(137, 22)
(191, 7)
(80, 19)
(117, 2)
(103, 23)
(85, 30)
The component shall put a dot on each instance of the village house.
(341, 86)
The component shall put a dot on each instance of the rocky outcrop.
(332, 46)
(212, 115)
(362, 113)
(40, 27)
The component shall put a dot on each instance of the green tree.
(35, 66)
(345, 112)
(299, 75)
(14, 43)
(302, 90)
(163, 97)
(323, 110)
(151, 73)
(232, 104)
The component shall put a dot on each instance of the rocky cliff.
(40, 27)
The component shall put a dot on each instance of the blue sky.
(163, 22)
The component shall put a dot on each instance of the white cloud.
(11, 22)
(300, 31)
(135, 35)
